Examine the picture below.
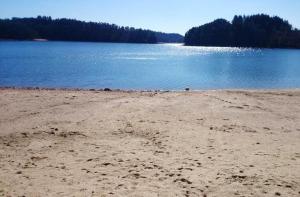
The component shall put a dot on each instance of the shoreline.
(69, 41)
(158, 43)
(151, 90)
(133, 143)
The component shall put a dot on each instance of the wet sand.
(93, 143)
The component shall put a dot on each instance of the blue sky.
(161, 15)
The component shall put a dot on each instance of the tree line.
(43, 27)
(260, 31)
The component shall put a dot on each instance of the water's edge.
(132, 90)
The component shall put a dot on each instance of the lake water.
(145, 66)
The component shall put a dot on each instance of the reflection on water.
(144, 66)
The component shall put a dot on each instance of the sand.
(92, 143)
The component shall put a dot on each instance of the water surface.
(145, 66)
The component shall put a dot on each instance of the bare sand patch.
(207, 143)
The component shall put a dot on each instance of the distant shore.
(68, 142)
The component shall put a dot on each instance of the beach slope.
(93, 143)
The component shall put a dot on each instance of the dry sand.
(90, 143)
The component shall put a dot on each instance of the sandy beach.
(95, 143)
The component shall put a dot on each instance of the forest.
(43, 27)
(259, 31)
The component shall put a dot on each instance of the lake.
(145, 66)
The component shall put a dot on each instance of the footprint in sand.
(183, 180)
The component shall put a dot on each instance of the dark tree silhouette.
(260, 31)
(217, 33)
(74, 30)
(167, 38)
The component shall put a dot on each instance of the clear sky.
(161, 15)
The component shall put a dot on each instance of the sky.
(171, 16)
